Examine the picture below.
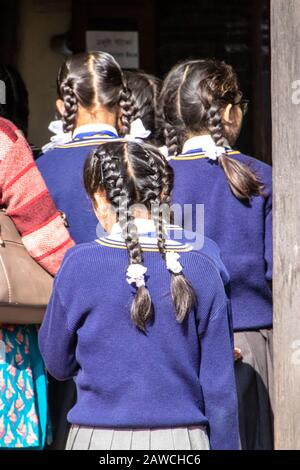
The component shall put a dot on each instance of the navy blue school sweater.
(62, 170)
(242, 231)
(174, 375)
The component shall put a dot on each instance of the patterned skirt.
(23, 389)
(89, 438)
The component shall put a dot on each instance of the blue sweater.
(62, 170)
(242, 231)
(175, 375)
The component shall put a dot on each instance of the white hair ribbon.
(165, 151)
(60, 137)
(137, 131)
(214, 152)
(172, 262)
(136, 274)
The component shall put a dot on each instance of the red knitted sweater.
(24, 194)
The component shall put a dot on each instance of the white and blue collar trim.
(147, 237)
(95, 130)
(204, 144)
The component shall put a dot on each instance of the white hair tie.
(60, 137)
(137, 131)
(172, 262)
(136, 274)
(214, 152)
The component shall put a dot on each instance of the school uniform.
(172, 387)
(62, 170)
(243, 232)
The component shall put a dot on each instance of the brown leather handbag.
(25, 287)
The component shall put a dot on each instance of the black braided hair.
(145, 89)
(130, 173)
(70, 104)
(127, 107)
(182, 292)
(169, 112)
(193, 98)
(242, 181)
(93, 80)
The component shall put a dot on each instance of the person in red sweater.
(23, 193)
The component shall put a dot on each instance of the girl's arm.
(24, 195)
(57, 341)
(218, 380)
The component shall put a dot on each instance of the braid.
(241, 179)
(121, 199)
(168, 116)
(215, 125)
(171, 139)
(182, 292)
(70, 104)
(129, 174)
(141, 308)
(127, 110)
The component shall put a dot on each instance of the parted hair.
(93, 79)
(130, 173)
(193, 97)
(145, 89)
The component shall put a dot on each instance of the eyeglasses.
(244, 105)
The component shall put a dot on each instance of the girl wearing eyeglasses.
(201, 108)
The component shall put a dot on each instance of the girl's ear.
(118, 124)
(103, 211)
(226, 114)
(60, 107)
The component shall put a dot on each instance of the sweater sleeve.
(268, 239)
(218, 381)
(56, 340)
(24, 195)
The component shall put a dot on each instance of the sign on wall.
(123, 45)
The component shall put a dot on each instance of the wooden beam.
(285, 44)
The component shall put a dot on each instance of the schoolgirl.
(95, 106)
(202, 106)
(144, 92)
(141, 320)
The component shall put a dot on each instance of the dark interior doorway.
(237, 31)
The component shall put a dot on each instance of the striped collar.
(147, 237)
(202, 146)
(144, 226)
(203, 143)
(88, 131)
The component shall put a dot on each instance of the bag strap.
(3, 210)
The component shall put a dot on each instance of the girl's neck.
(99, 116)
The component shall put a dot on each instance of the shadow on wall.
(38, 62)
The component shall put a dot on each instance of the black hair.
(145, 89)
(193, 96)
(130, 173)
(93, 79)
(15, 108)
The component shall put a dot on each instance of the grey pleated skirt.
(254, 377)
(89, 438)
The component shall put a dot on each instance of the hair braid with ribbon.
(194, 96)
(131, 173)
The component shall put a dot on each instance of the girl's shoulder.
(79, 259)
(263, 169)
(201, 251)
